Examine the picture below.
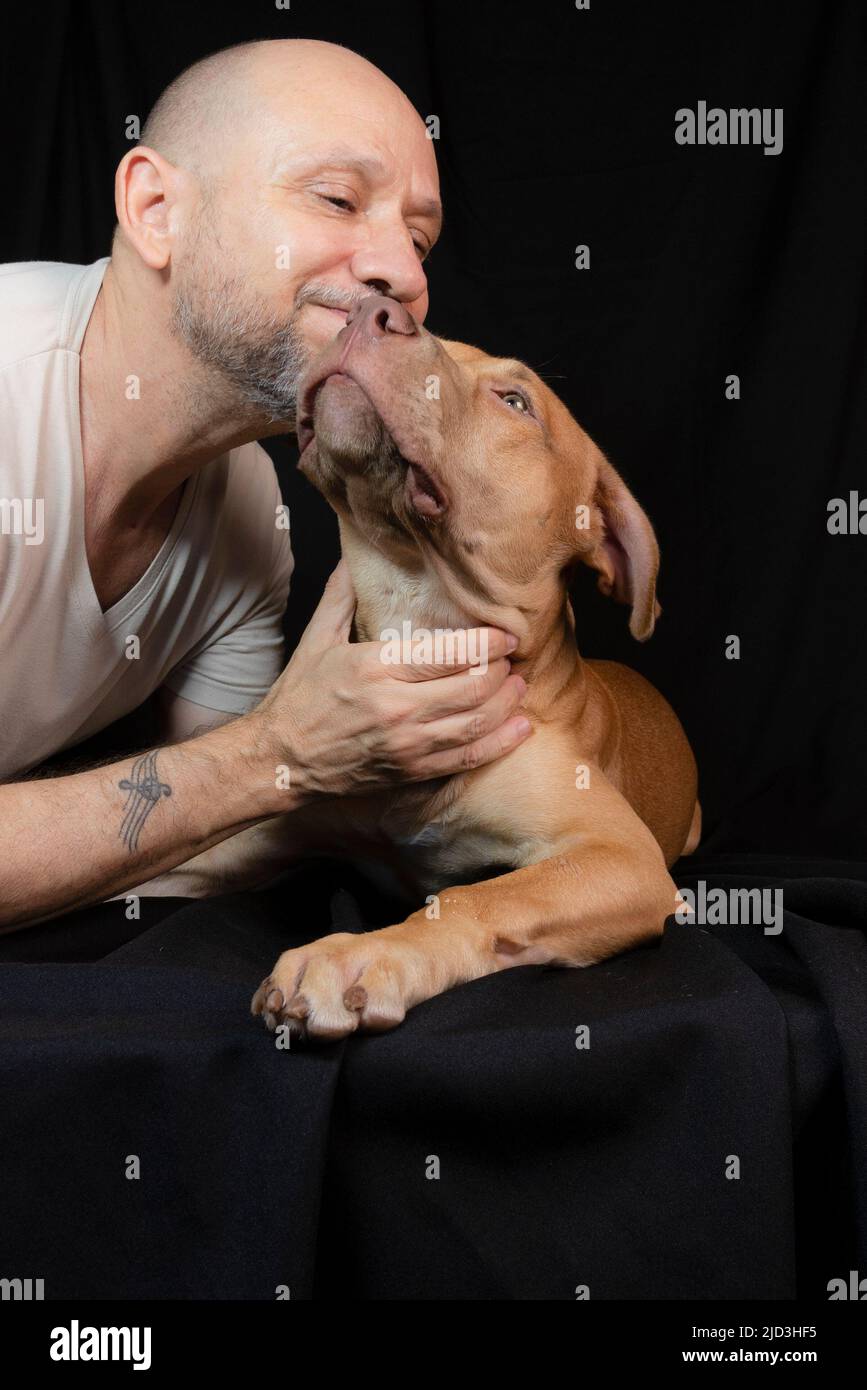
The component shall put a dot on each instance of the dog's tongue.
(421, 492)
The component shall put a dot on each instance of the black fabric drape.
(558, 1167)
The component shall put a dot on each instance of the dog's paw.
(341, 984)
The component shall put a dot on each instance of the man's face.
(306, 219)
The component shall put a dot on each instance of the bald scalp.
(222, 97)
(188, 119)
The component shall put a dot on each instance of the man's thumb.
(332, 621)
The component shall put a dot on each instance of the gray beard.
(259, 355)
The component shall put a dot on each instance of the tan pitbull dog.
(465, 493)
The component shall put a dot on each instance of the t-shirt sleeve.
(236, 669)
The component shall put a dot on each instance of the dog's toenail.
(298, 1006)
(274, 1000)
(355, 997)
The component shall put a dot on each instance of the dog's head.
(435, 447)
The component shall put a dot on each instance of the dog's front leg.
(588, 901)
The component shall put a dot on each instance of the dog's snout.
(376, 315)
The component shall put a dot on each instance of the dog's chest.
(442, 855)
(408, 851)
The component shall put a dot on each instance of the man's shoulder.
(253, 508)
(37, 299)
(251, 478)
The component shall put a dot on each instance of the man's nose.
(377, 315)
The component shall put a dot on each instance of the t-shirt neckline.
(80, 308)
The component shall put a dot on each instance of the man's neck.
(151, 416)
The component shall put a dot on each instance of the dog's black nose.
(376, 315)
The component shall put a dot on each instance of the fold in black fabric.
(555, 1167)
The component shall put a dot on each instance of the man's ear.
(624, 550)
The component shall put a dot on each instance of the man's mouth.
(340, 315)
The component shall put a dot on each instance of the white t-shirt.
(207, 610)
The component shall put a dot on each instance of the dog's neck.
(427, 597)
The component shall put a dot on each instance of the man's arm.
(69, 841)
(248, 859)
(339, 718)
(179, 719)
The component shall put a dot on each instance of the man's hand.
(346, 722)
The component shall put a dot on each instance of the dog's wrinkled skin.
(458, 479)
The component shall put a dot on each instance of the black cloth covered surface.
(558, 1167)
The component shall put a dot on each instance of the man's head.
(275, 185)
(447, 462)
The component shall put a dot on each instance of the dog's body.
(587, 815)
(433, 835)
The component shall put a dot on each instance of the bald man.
(143, 545)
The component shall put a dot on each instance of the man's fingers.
(475, 723)
(468, 690)
(476, 754)
(453, 652)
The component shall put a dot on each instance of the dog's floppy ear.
(624, 550)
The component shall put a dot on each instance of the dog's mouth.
(423, 493)
(305, 431)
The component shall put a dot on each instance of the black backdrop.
(557, 128)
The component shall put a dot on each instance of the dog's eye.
(517, 401)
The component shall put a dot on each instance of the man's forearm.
(249, 859)
(69, 841)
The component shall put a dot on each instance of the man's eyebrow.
(338, 156)
(369, 166)
(431, 207)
